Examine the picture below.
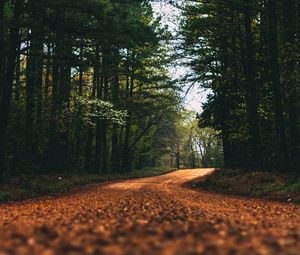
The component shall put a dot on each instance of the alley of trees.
(247, 53)
(85, 86)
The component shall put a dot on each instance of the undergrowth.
(254, 184)
(25, 187)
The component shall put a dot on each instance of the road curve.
(157, 215)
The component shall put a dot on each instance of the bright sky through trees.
(194, 96)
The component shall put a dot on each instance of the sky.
(195, 96)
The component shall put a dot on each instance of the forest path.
(155, 215)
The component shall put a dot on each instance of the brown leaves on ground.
(149, 216)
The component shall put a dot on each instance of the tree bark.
(127, 158)
(281, 154)
(52, 151)
(8, 82)
(289, 38)
(177, 160)
(2, 46)
(115, 159)
(99, 125)
(64, 105)
(253, 119)
(104, 122)
(78, 128)
(90, 133)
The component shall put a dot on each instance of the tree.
(242, 52)
(86, 85)
(13, 42)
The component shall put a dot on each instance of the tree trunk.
(289, 24)
(64, 106)
(99, 125)
(253, 120)
(2, 46)
(177, 160)
(104, 126)
(34, 69)
(127, 158)
(223, 106)
(47, 78)
(30, 92)
(78, 129)
(18, 74)
(115, 160)
(203, 161)
(281, 153)
(8, 82)
(90, 135)
(39, 103)
(52, 151)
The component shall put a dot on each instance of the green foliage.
(96, 109)
(245, 54)
(189, 146)
(89, 90)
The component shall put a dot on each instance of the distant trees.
(190, 146)
(247, 54)
(84, 85)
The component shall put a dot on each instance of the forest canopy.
(247, 54)
(86, 86)
(81, 84)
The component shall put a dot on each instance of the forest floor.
(157, 215)
(272, 186)
(32, 186)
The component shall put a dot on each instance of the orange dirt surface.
(156, 215)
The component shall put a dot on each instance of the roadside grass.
(27, 187)
(256, 184)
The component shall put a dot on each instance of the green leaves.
(96, 109)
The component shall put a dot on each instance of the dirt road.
(149, 216)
